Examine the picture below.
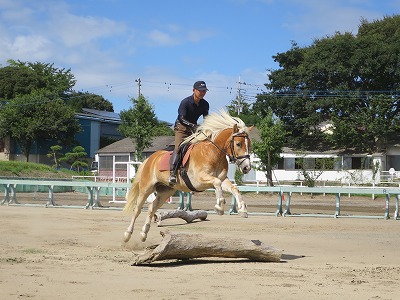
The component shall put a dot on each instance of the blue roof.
(102, 114)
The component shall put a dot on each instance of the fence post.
(287, 209)
(50, 201)
(279, 212)
(337, 212)
(387, 207)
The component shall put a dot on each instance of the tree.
(246, 113)
(56, 155)
(37, 117)
(16, 81)
(45, 75)
(313, 168)
(79, 100)
(163, 129)
(140, 124)
(76, 158)
(351, 81)
(369, 125)
(269, 147)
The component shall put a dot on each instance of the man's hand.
(193, 127)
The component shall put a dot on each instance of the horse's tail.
(132, 196)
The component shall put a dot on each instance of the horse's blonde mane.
(213, 124)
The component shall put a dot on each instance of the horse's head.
(240, 146)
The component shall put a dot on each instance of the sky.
(111, 45)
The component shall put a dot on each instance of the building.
(96, 125)
(118, 160)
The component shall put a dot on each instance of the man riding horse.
(189, 111)
(219, 138)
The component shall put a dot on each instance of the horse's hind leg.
(129, 230)
(136, 212)
(153, 207)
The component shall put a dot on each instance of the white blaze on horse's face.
(241, 151)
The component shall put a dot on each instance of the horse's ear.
(235, 128)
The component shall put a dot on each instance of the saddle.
(182, 156)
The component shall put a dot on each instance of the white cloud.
(161, 38)
(173, 35)
(199, 35)
(316, 19)
(75, 30)
(24, 46)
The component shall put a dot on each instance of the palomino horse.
(220, 135)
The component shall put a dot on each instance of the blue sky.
(108, 44)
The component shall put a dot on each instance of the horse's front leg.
(219, 207)
(227, 186)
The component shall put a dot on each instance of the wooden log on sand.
(188, 216)
(189, 245)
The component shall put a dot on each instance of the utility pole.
(239, 98)
(138, 83)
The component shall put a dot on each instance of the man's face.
(199, 94)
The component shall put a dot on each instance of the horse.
(218, 137)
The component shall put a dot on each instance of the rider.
(189, 111)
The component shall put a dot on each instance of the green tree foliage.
(77, 159)
(240, 108)
(140, 124)
(313, 168)
(79, 100)
(370, 124)
(163, 129)
(16, 81)
(37, 117)
(269, 147)
(55, 154)
(41, 76)
(348, 80)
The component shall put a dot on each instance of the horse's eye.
(238, 144)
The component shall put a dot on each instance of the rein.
(232, 158)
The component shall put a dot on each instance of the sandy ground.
(75, 253)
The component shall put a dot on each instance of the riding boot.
(173, 168)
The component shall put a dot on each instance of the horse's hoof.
(243, 214)
(143, 236)
(219, 210)
(127, 236)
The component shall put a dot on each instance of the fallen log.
(183, 246)
(188, 216)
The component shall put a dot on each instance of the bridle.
(233, 158)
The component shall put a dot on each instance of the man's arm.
(186, 122)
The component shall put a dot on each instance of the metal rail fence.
(93, 190)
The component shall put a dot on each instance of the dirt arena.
(76, 253)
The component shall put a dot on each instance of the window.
(315, 163)
(357, 162)
(326, 163)
(106, 162)
(281, 164)
(289, 164)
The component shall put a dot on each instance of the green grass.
(32, 170)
